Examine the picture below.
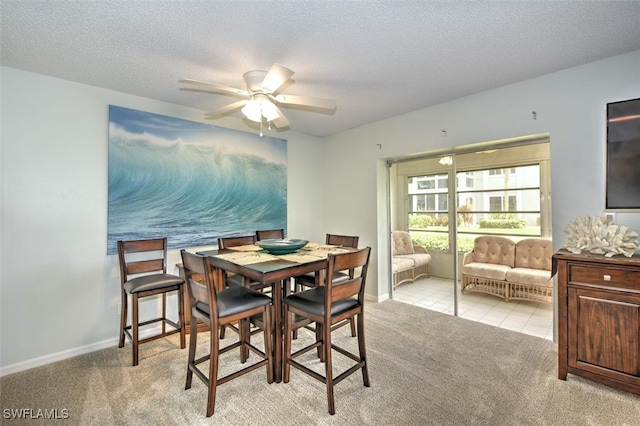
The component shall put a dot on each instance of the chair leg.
(286, 355)
(134, 328)
(320, 349)
(326, 346)
(268, 349)
(244, 332)
(212, 383)
(123, 316)
(362, 349)
(164, 312)
(193, 337)
(181, 318)
(353, 327)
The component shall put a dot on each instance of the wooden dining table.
(257, 265)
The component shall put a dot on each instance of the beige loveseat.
(408, 262)
(510, 270)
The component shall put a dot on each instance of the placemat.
(248, 247)
(301, 257)
(324, 251)
(245, 258)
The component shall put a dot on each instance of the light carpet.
(426, 368)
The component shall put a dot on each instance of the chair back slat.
(269, 233)
(137, 246)
(226, 242)
(143, 266)
(342, 240)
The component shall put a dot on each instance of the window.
(502, 201)
(498, 172)
(508, 205)
(426, 184)
(498, 192)
(497, 204)
(428, 205)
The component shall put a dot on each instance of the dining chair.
(218, 308)
(229, 242)
(238, 280)
(328, 305)
(143, 273)
(309, 280)
(269, 233)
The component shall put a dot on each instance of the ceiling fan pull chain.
(261, 128)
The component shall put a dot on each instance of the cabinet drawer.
(604, 276)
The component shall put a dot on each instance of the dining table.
(257, 265)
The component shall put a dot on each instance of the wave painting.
(191, 182)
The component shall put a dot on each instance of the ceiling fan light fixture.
(269, 111)
(259, 107)
(253, 111)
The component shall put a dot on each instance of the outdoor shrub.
(503, 223)
(441, 242)
(420, 221)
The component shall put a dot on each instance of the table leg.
(276, 292)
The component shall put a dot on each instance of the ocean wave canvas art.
(189, 181)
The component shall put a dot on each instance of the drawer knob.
(606, 277)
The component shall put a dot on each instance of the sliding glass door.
(446, 201)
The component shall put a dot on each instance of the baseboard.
(70, 353)
(59, 356)
(376, 299)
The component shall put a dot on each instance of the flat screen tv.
(623, 156)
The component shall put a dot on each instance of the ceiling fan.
(260, 101)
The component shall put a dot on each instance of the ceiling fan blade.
(225, 109)
(212, 92)
(280, 121)
(276, 77)
(309, 101)
(216, 87)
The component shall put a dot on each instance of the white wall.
(570, 105)
(59, 290)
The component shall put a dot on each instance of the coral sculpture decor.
(600, 236)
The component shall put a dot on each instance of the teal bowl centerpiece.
(281, 246)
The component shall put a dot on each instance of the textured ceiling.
(378, 59)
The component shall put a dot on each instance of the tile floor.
(437, 294)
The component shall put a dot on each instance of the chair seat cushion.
(419, 259)
(530, 276)
(312, 301)
(486, 270)
(151, 282)
(400, 263)
(235, 300)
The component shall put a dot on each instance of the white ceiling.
(377, 58)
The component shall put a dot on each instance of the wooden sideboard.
(599, 318)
